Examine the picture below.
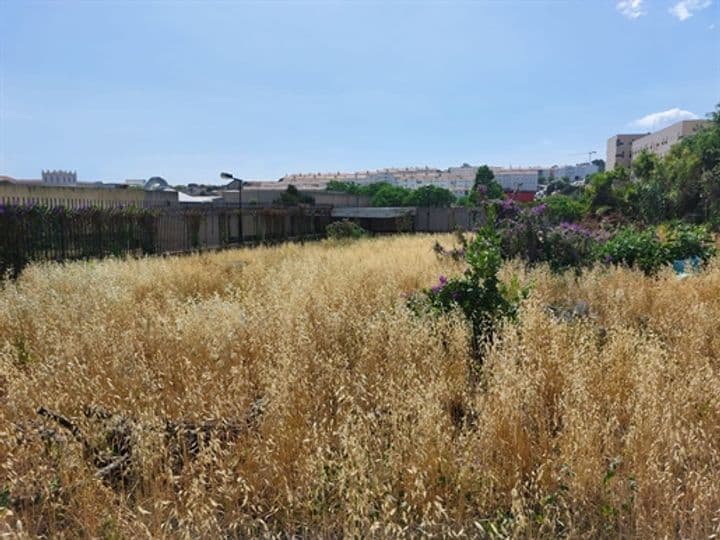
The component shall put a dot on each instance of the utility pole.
(590, 155)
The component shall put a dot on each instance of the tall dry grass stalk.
(369, 423)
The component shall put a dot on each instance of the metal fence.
(34, 233)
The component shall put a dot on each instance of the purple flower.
(443, 280)
(608, 259)
(456, 296)
(436, 289)
(539, 209)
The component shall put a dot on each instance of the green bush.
(684, 241)
(484, 299)
(345, 229)
(650, 250)
(292, 197)
(632, 247)
(563, 208)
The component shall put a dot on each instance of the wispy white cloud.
(632, 9)
(659, 120)
(684, 9)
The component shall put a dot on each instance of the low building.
(660, 142)
(574, 172)
(67, 196)
(518, 179)
(82, 195)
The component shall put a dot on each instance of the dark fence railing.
(36, 233)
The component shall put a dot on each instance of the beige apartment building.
(619, 150)
(660, 142)
(623, 149)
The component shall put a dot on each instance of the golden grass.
(371, 425)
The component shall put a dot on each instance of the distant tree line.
(386, 194)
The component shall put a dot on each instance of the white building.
(574, 172)
(517, 179)
(458, 180)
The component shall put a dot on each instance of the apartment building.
(525, 180)
(619, 150)
(459, 180)
(622, 149)
(660, 142)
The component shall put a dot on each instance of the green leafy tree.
(371, 189)
(563, 208)
(602, 193)
(430, 196)
(465, 200)
(600, 163)
(485, 186)
(389, 195)
(345, 187)
(291, 197)
(645, 165)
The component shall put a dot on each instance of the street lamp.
(228, 176)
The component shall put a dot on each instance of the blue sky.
(183, 90)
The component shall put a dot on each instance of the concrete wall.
(160, 199)
(447, 219)
(335, 198)
(188, 229)
(269, 196)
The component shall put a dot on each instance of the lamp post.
(228, 176)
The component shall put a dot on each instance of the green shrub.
(483, 298)
(683, 241)
(344, 229)
(652, 249)
(632, 247)
(563, 208)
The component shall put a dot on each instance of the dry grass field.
(288, 391)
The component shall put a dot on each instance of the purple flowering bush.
(570, 245)
(532, 236)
